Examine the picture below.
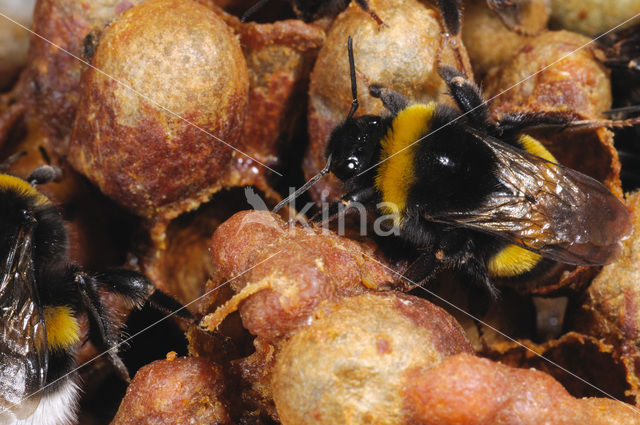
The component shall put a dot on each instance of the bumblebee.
(42, 296)
(475, 195)
(621, 53)
(509, 11)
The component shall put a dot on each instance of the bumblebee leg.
(44, 174)
(467, 96)
(101, 332)
(363, 195)
(392, 100)
(133, 286)
(510, 13)
(421, 270)
(477, 271)
(451, 12)
(359, 196)
(167, 305)
(138, 290)
(333, 210)
(624, 64)
(510, 126)
(457, 251)
(253, 9)
(364, 5)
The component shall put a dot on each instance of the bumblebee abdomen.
(63, 331)
(534, 147)
(512, 261)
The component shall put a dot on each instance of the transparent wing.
(553, 210)
(23, 345)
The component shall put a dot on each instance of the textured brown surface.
(184, 57)
(468, 390)
(279, 58)
(54, 75)
(583, 358)
(488, 41)
(308, 267)
(401, 56)
(12, 110)
(180, 391)
(14, 40)
(348, 364)
(577, 83)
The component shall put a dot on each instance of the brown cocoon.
(349, 364)
(180, 391)
(468, 390)
(295, 269)
(185, 59)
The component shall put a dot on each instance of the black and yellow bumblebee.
(42, 296)
(470, 193)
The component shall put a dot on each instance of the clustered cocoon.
(323, 333)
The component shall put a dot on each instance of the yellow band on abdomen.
(62, 326)
(513, 260)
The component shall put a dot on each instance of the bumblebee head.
(354, 145)
(18, 201)
(26, 211)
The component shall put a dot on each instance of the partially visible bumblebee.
(41, 297)
(475, 195)
(622, 55)
(509, 11)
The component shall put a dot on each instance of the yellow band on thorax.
(396, 173)
(16, 184)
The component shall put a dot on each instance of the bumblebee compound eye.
(345, 168)
(27, 216)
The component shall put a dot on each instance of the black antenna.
(304, 187)
(354, 107)
(352, 73)
(13, 158)
(253, 9)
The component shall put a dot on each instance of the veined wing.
(23, 343)
(553, 210)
